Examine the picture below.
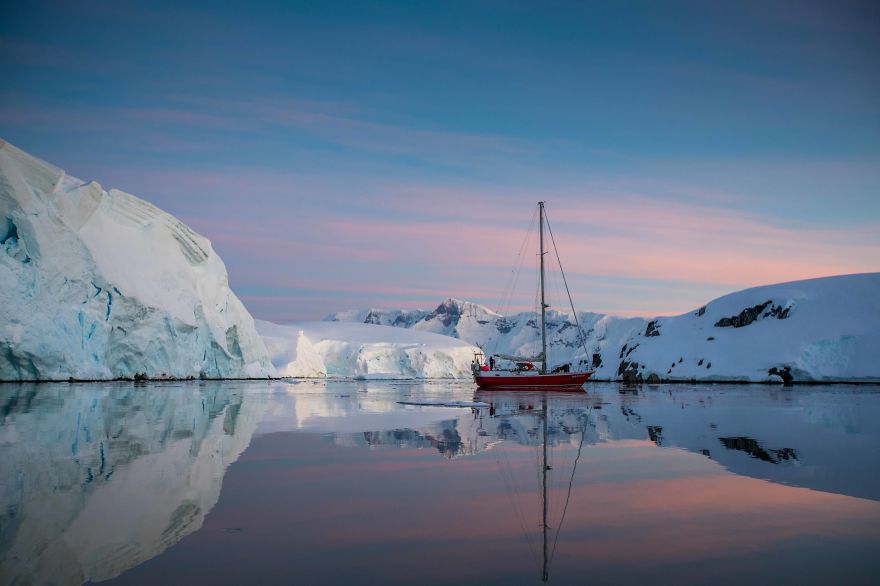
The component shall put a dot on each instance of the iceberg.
(100, 285)
(364, 351)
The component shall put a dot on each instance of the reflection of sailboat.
(545, 572)
(548, 546)
(524, 377)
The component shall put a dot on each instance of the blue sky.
(343, 154)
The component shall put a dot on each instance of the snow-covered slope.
(821, 329)
(516, 334)
(352, 350)
(99, 285)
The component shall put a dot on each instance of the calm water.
(340, 483)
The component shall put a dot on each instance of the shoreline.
(139, 380)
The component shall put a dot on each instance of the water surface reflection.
(340, 482)
(99, 478)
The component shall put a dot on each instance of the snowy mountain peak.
(451, 310)
(818, 329)
(400, 318)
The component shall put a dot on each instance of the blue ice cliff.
(100, 284)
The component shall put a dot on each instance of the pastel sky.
(389, 154)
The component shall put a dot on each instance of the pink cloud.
(625, 238)
(402, 244)
(639, 240)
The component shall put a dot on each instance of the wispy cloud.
(617, 250)
(393, 157)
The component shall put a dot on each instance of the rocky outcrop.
(628, 372)
(745, 317)
(751, 314)
(756, 450)
(784, 373)
(448, 313)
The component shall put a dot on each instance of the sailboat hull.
(509, 381)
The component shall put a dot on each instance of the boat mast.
(543, 305)
(545, 575)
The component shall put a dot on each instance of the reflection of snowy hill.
(96, 481)
(826, 439)
(814, 437)
(822, 329)
(351, 350)
(99, 285)
(444, 436)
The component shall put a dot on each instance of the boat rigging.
(524, 376)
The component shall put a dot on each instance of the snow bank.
(352, 350)
(820, 329)
(518, 334)
(99, 285)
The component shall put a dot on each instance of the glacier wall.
(102, 285)
(352, 350)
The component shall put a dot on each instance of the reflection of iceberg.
(97, 479)
(443, 436)
(511, 417)
(339, 407)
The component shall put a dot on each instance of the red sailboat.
(525, 376)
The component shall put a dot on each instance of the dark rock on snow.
(784, 373)
(750, 314)
(745, 317)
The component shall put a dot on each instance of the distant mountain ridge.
(513, 334)
(825, 329)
